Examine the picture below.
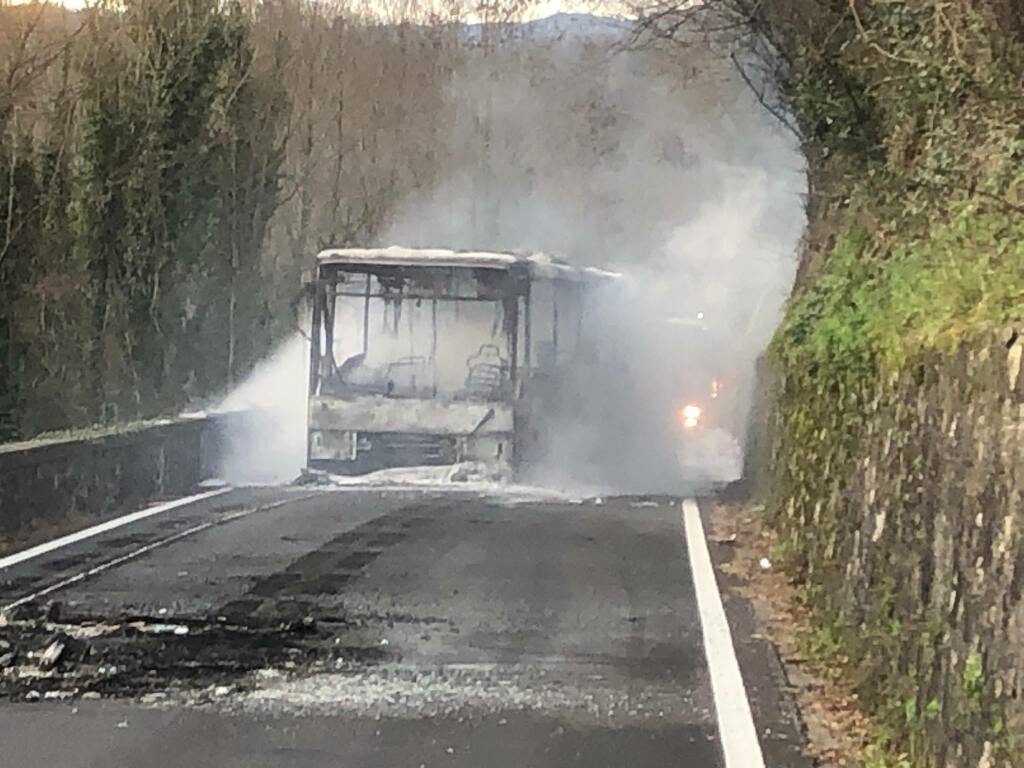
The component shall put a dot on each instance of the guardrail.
(90, 477)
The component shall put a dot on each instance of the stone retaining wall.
(901, 507)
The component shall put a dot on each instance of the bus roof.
(539, 264)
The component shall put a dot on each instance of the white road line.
(88, 533)
(736, 729)
(83, 575)
(106, 566)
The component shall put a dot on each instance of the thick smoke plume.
(266, 419)
(658, 163)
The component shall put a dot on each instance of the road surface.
(308, 627)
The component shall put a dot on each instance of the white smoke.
(661, 164)
(265, 439)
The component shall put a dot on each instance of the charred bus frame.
(418, 409)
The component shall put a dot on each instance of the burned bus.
(430, 357)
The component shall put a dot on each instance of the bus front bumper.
(367, 434)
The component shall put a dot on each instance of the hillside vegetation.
(166, 168)
(896, 482)
(914, 112)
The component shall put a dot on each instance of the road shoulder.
(737, 543)
(805, 713)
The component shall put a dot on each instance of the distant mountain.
(556, 27)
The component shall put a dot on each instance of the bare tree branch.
(774, 111)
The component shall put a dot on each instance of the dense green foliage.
(870, 312)
(915, 118)
(166, 168)
(156, 174)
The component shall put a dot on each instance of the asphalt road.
(297, 627)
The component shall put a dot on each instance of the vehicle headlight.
(690, 415)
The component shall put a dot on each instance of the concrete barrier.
(90, 477)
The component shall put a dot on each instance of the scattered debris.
(159, 628)
(766, 564)
(52, 655)
(304, 625)
(27, 611)
(138, 655)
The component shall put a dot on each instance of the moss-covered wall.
(893, 454)
(900, 503)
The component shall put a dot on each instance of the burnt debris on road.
(433, 582)
(573, 622)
